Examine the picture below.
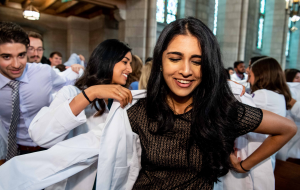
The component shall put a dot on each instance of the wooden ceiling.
(80, 8)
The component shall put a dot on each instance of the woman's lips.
(183, 85)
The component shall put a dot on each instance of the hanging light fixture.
(292, 8)
(31, 13)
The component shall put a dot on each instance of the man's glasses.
(39, 50)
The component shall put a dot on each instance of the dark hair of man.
(213, 107)
(35, 35)
(269, 75)
(100, 67)
(237, 63)
(55, 53)
(12, 33)
(290, 74)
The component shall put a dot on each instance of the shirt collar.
(24, 78)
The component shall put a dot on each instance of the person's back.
(270, 100)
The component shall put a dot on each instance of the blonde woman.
(146, 70)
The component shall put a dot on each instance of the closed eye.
(174, 60)
(197, 62)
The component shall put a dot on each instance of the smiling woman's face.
(122, 69)
(181, 65)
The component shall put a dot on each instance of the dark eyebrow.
(23, 52)
(127, 58)
(178, 53)
(175, 52)
(196, 56)
(5, 54)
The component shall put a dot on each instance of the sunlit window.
(216, 17)
(261, 22)
(166, 11)
(288, 40)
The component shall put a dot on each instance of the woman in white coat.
(103, 79)
(269, 89)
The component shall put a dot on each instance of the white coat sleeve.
(296, 110)
(52, 124)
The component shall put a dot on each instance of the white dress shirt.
(38, 82)
(237, 79)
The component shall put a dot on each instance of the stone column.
(136, 26)
(151, 28)
(78, 36)
(120, 15)
(231, 29)
(205, 12)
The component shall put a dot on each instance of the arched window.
(216, 17)
(166, 11)
(261, 22)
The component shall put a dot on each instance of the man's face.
(35, 50)
(240, 68)
(12, 60)
(55, 60)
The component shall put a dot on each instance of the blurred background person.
(35, 50)
(134, 77)
(146, 70)
(55, 58)
(239, 76)
(230, 70)
(292, 75)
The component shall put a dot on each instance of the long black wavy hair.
(214, 110)
(100, 67)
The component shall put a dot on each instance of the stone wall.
(66, 35)
(136, 26)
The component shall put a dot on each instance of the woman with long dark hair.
(104, 79)
(186, 125)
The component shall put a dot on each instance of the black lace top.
(166, 161)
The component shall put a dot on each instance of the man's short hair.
(12, 33)
(55, 53)
(237, 63)
(35, 35)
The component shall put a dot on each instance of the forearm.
(281, 130)
(80, 102)
(270, 146)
